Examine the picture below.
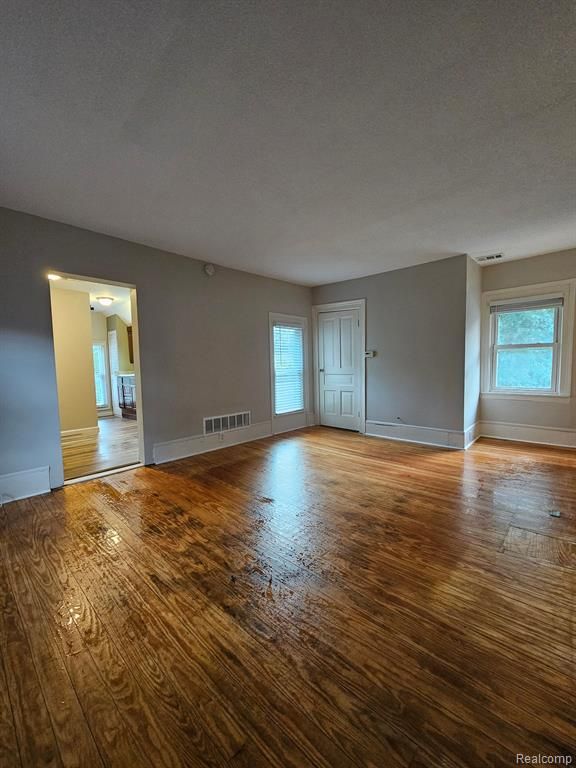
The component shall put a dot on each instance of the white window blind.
(525, 304)
(288, 341)
(99, 357)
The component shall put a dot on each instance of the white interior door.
(339, 376)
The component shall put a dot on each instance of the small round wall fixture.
(210, 269)
(105, 301)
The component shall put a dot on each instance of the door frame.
(137, 372)
(337, 306)
(114, 403)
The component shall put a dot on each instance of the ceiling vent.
(487, 258)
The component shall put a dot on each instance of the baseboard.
(172, 450)
(291, 421)
(447, 438)
(81, 432)
(471, 434)
(79, 437)
(529, 433)
(409, 433)
(191, 446)
(21, 485)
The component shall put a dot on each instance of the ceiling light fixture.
(53, 276)
(104, 300)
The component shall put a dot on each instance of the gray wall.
(204, 342)
(547, 268)
(416, 323)
(473, 339)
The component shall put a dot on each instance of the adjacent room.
(287, 384)
(95, 375)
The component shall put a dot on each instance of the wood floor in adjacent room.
(114, 445)
(315, 599)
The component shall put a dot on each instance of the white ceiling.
(121, 295)
(308, 140)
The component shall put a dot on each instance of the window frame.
(289, 321)
(107, 385)
(562, 345)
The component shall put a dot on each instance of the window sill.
(521, 396)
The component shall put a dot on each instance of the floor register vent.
(214, 424)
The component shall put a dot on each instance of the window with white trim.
(288, 339)
(100, 375)
(528, 340)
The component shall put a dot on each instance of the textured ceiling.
(309, 140)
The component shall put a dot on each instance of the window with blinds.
(100, 382)
(288, 367)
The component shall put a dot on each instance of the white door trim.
(137, 373)
(114, 402)
(337, 306)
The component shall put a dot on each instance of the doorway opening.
(95, 332)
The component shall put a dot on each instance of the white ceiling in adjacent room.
(301, 139)
(121, 295)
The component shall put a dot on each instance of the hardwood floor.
(315, 599)
(115, 445)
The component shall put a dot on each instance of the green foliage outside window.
(525, 367)
(531, 326)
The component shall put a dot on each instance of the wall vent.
(487, 258)
(226, 422)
